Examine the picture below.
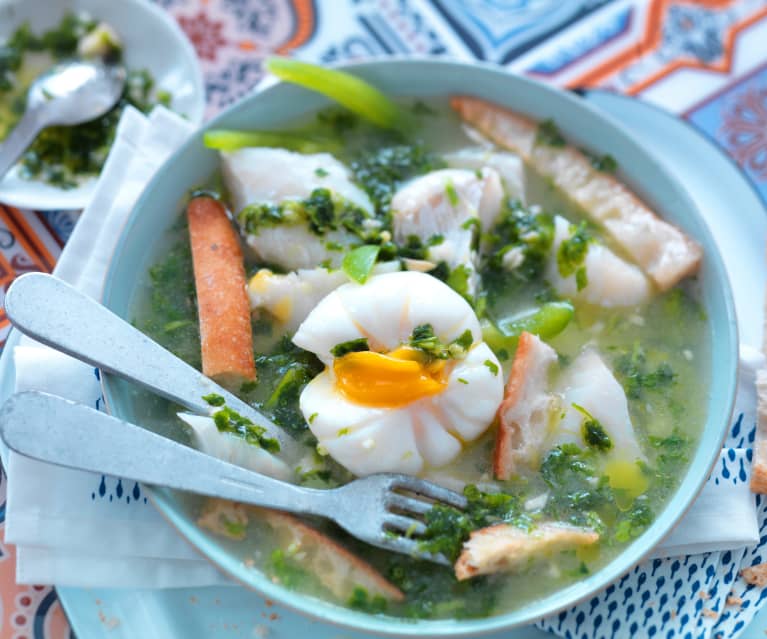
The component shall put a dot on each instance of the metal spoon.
(67, 94)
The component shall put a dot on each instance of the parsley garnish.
(352, 346)
(549, 133)
(228, 420)
(594, 434)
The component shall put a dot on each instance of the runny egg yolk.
(389, 380)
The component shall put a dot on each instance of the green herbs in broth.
(658, 352)
(62, 155)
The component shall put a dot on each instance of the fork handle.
(62, 432)
(58, 315)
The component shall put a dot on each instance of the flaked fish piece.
(290, 297)
(525, 413)
(443, 204)
(509, 166)
(611, 281)
(589, 384)
(261, 174)
(660, 249)
(504, 547)
(233, 449)
(275, 176)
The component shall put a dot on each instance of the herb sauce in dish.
(61, 156)
(613, 373)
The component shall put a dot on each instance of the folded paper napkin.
(80, 529)
(76, 528)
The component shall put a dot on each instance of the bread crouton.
(504, 547)
(660, 249)
(524, 412)
(339, 570)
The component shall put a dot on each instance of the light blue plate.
(231, 612)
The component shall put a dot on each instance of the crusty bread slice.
(339, 570)
(524, 411)
(759, 465)
(660, 249)
(504, 547)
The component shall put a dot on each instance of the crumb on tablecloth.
(707, 612)
(755, 575)
(733, 601)
(704, 595)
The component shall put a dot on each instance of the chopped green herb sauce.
(352, 346)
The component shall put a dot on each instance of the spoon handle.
(62, 432)
(58, 315)
(18, 140)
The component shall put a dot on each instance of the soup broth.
(657, 350)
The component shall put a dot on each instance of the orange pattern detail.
(33, 246)
(651, 39)
(305, 25)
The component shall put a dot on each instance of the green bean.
(348, 90)
(229, 140)
(547, 321)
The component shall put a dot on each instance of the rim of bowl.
(551, 603)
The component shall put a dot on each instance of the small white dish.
(152, 40)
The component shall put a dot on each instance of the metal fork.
(384, 510)
(58, 315)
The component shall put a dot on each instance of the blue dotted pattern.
(114, 489)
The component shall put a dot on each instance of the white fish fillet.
(235, 450)
(290, 297)
(589, 383)
(443, 203)
(509, 166)
(265, 175)
(612, 282)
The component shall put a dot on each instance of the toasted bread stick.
(660, 249)
(222, 299)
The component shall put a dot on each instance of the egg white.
(426, 433)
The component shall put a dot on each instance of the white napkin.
(80, 529)
(75, 528)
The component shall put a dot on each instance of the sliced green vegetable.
(547, 321)
(348, 90)
(359, 263)
(231, 140)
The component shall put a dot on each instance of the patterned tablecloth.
(705, 60)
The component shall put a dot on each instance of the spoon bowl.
(76, 91)
(69, 93)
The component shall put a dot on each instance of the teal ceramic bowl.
(164, 198)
